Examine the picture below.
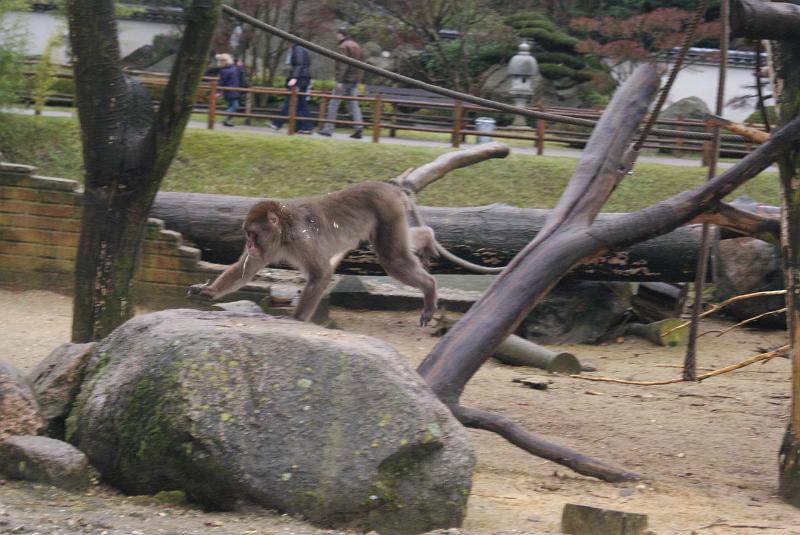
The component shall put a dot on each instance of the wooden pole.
(458, 110)
(292, 96)
(323, 110)
(212, 104)
(376, 118)
(540, 132)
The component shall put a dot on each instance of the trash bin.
(484, 124)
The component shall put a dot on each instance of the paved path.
(345, 136)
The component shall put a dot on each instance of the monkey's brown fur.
(313, 234)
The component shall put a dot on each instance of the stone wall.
(39, 231)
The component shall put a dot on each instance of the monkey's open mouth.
(251, 245)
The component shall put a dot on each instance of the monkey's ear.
(272, 219)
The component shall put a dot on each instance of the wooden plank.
(39, 250)
(49, 237)
(28, 222)
(41, 195)
(11, 206)
(33, 263)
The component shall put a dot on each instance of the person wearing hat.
(347, 80)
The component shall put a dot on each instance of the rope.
(456, 95)
(702, 6)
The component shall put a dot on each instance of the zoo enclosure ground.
(709, 449)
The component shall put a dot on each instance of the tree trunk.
(570, 237)
(488, 235)
(757, 19)
(786, 62)
(127, 149)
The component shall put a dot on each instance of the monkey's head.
(263, 228)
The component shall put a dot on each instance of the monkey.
(314, 234)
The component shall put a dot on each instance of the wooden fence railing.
(453, 119)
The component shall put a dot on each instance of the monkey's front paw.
(425, 317)
(200, 290)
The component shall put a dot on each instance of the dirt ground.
(708, 449)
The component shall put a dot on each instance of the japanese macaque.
(314, 234)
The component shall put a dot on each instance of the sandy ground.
(708, 449)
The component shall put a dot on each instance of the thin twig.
(715, 307)
(752, 360)
(751, 320)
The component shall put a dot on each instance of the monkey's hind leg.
(407, 269)
(423, 243)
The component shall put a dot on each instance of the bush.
(554, 72)
(558, 41)
(573, 62)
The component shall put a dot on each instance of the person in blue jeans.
(230, 77)
(299, 61)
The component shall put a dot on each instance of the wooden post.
(212, 104)
(679, 141)
(707, 145)
(540, 132)
(458, 111)
(376, 118)
(292, 96)
(323, 110)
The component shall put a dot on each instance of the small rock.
(56, 381)
(585, 520)
(626, 492)
(19, 411)
(44, 460)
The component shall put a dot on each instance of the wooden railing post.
(458, 110)
(376, 118)
(212, 104)
(540, 131)
(707, 146)
(292, 96)
(323, 110)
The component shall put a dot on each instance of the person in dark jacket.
(347, 80)
(230, 78)
(299, 61)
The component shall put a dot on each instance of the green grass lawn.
(240, 163)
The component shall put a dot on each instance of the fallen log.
(488, 235)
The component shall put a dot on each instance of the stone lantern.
(523, 71)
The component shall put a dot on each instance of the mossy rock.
(226, 406)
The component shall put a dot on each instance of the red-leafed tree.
(630, 41)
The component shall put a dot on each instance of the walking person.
(229, 76)
(299, 61)
(347, 80)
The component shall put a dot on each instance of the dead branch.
(762, 357)
(751, 320)
(517, 435)
(420, 177)
(716, 307)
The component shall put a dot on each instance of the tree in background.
(452, 43)
(12, 40)
(626, 42)
(265, 53)
(127, 149)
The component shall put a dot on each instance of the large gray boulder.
(227, 406)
